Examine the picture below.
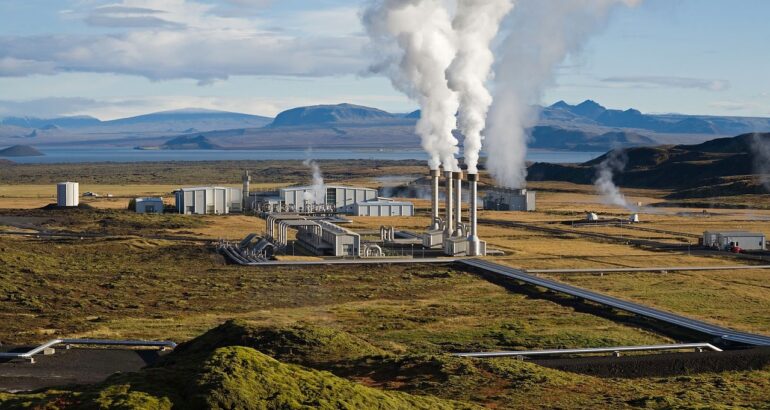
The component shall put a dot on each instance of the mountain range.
(587, 126)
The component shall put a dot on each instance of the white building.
(383, 207)
(503, 199)
(341, 198)
(68, 194)
(749, 241)
(149, 205)
(209, 200)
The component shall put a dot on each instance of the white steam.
(418, 45)
(760, 147)
(318, 194)
(605, 185)
(543, 34)
(476, 24)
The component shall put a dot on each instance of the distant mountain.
(329, 114)
(192, 115)
(48, 123)
(575, 139)
(590, 113)
(723, 166)
(20, 151)
(189, 142)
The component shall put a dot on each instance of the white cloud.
(668, 82)
(170, 39)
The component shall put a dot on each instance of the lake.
(70, 155)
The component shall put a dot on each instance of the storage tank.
(67, 194)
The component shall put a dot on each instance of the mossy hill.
(724, 166)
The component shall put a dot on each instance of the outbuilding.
(383, 207)
(149, 205)
(504, 199)
(750, 241)
(209, 200)
(339, 198)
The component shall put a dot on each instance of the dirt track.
(666, 364)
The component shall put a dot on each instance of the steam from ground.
(543, 34)
(761, 149)
(605, 185)
(318, 193)
(417, 44)
(476, 24)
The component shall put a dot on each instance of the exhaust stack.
(435, 223)
(458, 179)
(246, 189)
(474, 246)
(449, 225)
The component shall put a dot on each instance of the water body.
(55, 155)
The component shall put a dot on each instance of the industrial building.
(504, 199)
(337, 198)
(67, 194)
(383, 207)
(149, 205)
(749, 241)
(318, 236)
(209, 200)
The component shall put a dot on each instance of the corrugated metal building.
(750, 241)
(149, 205)
(209, 200)
(383, 207)
(504, 199)
(341, 198)
(334, 240)
(68, 194)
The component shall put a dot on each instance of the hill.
(724, 166)
(188, 142)
(329, 114)
(20, 151)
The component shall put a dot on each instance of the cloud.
(175, 39)
(668, 82)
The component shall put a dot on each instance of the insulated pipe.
(458, 178)
(449, 225)
(473, 238)
(434, 223)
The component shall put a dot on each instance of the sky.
(118, 58)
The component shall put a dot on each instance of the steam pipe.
(473, 238)
(434, 175)
(458, 178)
(449, 228)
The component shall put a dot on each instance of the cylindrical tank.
(67, 194)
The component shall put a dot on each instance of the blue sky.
(116, 58)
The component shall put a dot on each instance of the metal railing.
(614, 350)
(29, 355)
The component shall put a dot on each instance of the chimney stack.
(434, 222)
(458, 179)
(246, 189)
(473, 237)
(449, 225)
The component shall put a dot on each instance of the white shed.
(149, 205)
(383, 208)
(68, 194)
(208, 200)
(342, 198)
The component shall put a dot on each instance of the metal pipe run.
(449, 228)
(458, 179)
(473, 238)
(93, 342)
(615, 350)
(435, 223)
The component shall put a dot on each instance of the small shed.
(149, 205)
(67, 194)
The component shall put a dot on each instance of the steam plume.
(760, 146)
(318, 195)
(418, 45)
(605, 172)
(476, 25)
(543, 33)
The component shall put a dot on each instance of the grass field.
(145, 279)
